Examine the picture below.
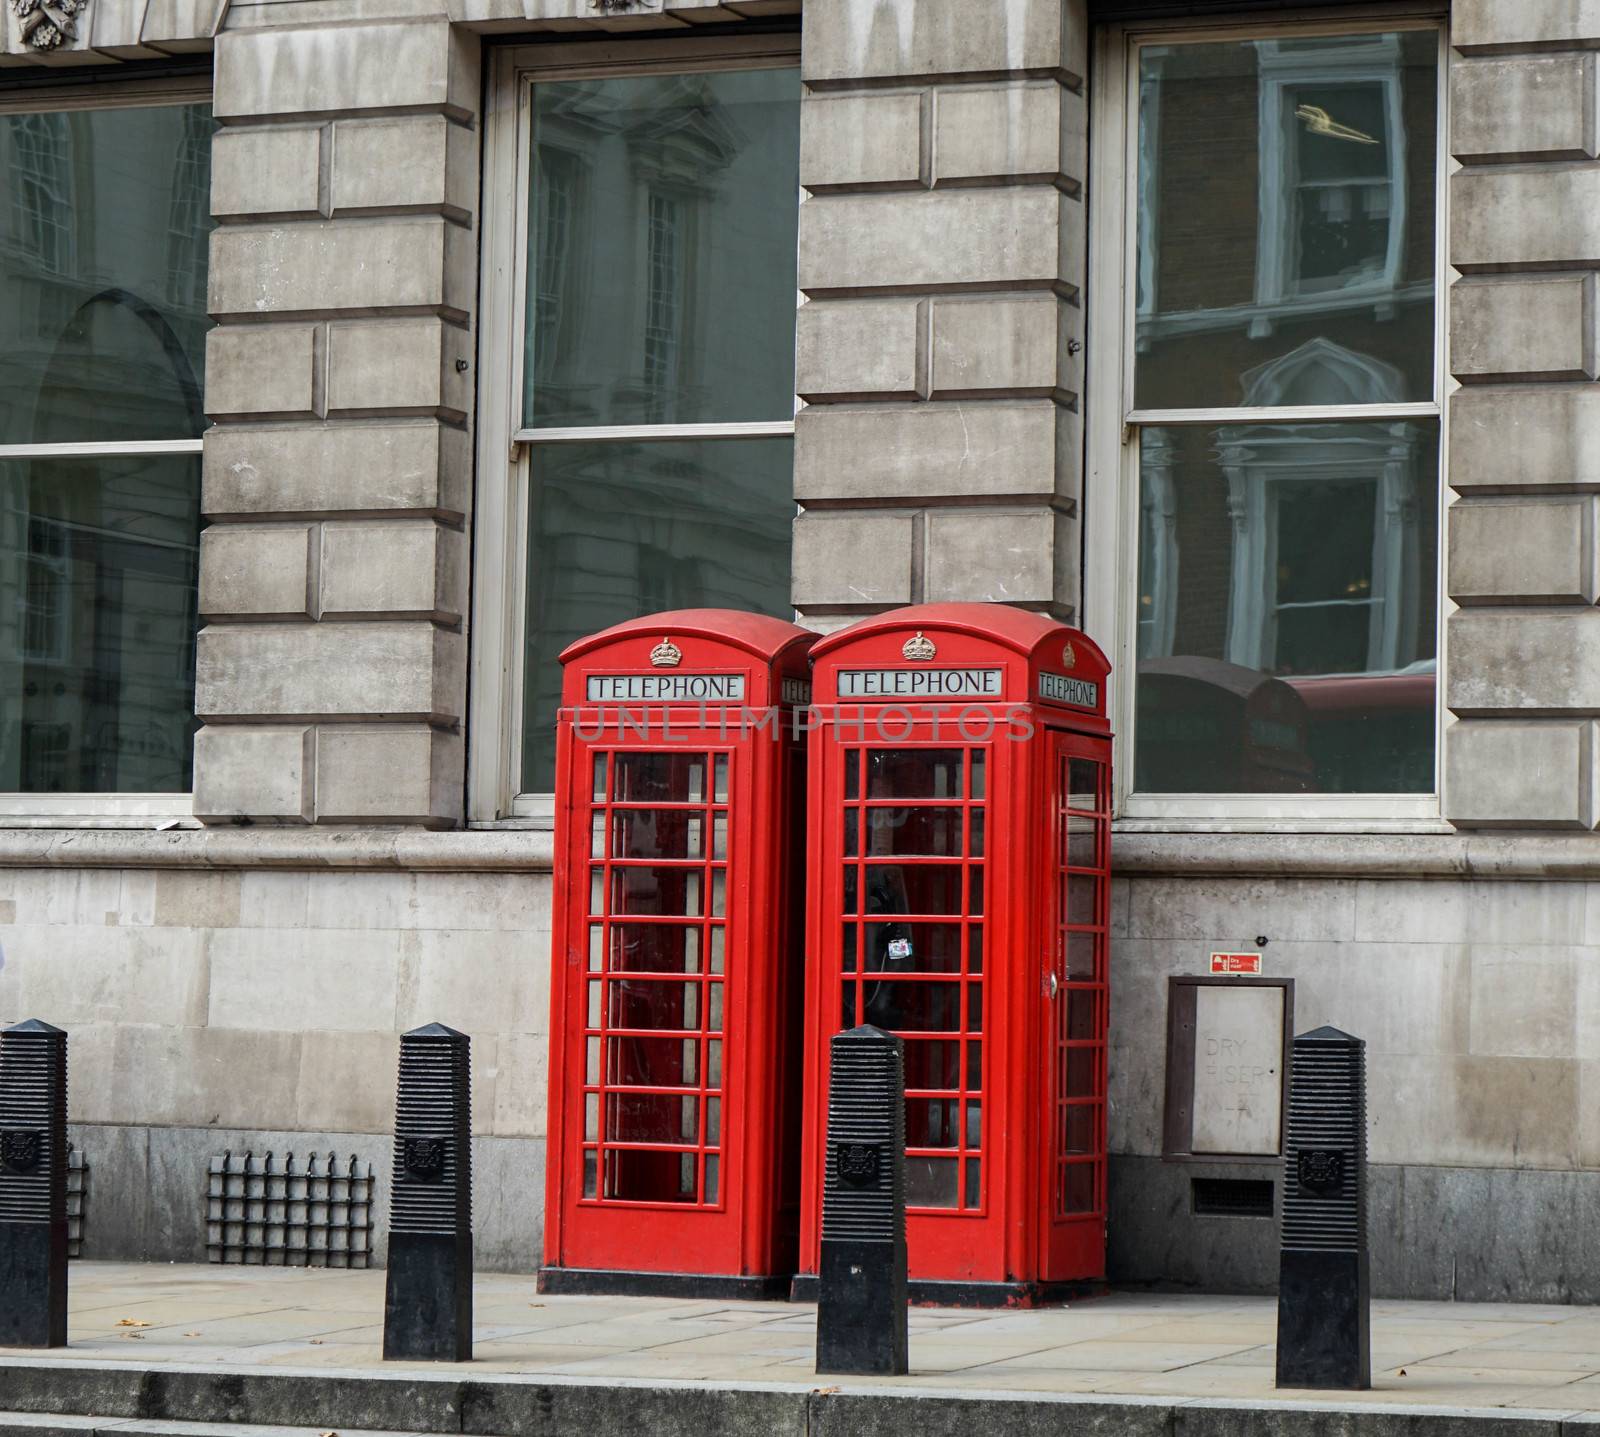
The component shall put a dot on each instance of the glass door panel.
(912, 949)
(1081, 805)
(653, 1070)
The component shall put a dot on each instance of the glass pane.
(97, 674)
(974, 1193)
(712, 1174)
(651, 1062)
(914, 1006)
(918, 832)
(931, 1182)
(641, 1003)
(1083, 784)
(913, 947)
(932, 1064)
(1080, 1013)
(1082, 889)
(1288, 632)
(657, 833)
(660, 778)
(655, 947)
(914, 773)
(661, 264)
(1080, 1072)
(1077, 1187)
(641, 1176)
(651, 1118)
(1286, 224)
(105, 221)
(931, 1122)
(668, 891)
(622, 529)
(1078, 1128)
(914, 888)
(1081, 956)
(600, 777)
(590, 1172)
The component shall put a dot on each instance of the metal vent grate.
(1231, 1197)
(278, 1212)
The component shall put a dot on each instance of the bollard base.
(861, 1309)
(427, 1304)
(33, 1277)
(1324, 1305)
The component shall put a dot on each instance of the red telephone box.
(675, 998)
(960, 797)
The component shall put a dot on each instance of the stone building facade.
(391, 514)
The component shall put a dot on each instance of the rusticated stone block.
(262, 774)
(411, 568)
(255, 370)
(255, 571)
(1523, 328)
(871, 141)
(1523, 551)
(851, 560)
(1501, 774)
(336, 469)
(389, 773)
(401, 64)
(1013, 237)
(266, 172)
(859, 349)
(1002, 556)
(1533, 107)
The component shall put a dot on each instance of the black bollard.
(1324, 1289)
(861, 1287)
(427, 1308)
(33, 1186)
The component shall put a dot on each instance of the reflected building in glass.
(1287, 263)
(102, 343)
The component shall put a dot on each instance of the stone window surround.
(499, 568)
(130, 810)
(1110, 527)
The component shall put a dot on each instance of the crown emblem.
(1069, 657)
(918, 648)
(666, 655)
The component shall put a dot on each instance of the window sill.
(346, 847)
(1287, 853)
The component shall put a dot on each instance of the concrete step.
(59, 1397)
(44, 1424)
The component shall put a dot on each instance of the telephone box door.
(1076, 994)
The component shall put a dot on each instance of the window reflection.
(1300, 608)
(661, 266)
(618, 530)
(1286, 197)
(97, 656)
(103, 237)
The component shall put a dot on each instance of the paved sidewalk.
(1180, 1347)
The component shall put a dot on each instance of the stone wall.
(1522, 652)
(941, 256)
(211, 1009)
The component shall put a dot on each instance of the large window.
(650, 408)
(104, 218)
(1277, 401)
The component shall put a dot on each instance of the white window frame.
(500, 522)
(102, 810)
(1111, 481)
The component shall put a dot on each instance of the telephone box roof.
(1019, 629)
(759, 634)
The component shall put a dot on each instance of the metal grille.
(1231, 1197)
(912, 913)
(861, 1186)
(660, 890)
(1325, 1158)
(431, 1189)
(284, 1212)
(33, 1122)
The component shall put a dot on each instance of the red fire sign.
(1236, 963)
